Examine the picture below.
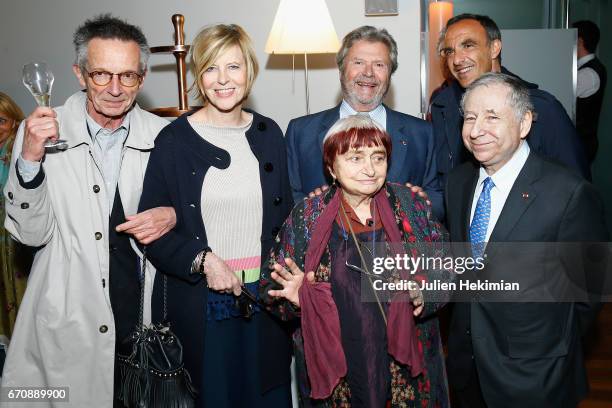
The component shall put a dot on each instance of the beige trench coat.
(65, 334)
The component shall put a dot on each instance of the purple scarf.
(320, 322)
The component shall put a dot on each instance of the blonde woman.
(15, 259)
(224, 171)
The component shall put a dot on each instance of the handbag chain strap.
(143, 271)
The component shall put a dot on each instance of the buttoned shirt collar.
(106, 149)
(378, 114)
(503, 180)
(504, 177)
(585, 59)
(95, 128)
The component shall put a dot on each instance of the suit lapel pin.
(525, 196)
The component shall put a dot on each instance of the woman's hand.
(416, 297)
(290, 281)
(219, 276)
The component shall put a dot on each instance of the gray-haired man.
(83, 291)
(517, 354)
(366, 60)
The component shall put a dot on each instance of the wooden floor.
(599, 361)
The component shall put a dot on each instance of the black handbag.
(153, 375)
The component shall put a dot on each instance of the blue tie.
(480, 222)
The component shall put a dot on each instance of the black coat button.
(277, 200)
(98, 236)
(468, 332)
(96, 188)
(268, 167)
(103, 328)
(275, 231)
(25, 206)
(112, 248)
(261, 126)
(10, 195)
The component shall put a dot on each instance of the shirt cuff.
(27, 169)
(29, 173)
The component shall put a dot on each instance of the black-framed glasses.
(356, 268)
(102, 78)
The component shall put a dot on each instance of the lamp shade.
(302, 27)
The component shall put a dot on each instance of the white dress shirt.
(378, 114)
(588, 81)
(503, 179)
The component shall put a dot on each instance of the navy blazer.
(174, 177)
(527, 354)
(412, 156)
(552, 134)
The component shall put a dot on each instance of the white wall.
(42, 30)
(556, 72)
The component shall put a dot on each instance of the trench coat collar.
(73, 126)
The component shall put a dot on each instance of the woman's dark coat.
(174, 177)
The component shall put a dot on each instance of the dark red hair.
(340, 142)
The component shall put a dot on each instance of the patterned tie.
(480, 222)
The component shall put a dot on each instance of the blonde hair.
(13, 111)
(213, 41)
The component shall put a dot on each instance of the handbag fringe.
(155, 390)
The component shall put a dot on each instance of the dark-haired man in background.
(590, 87)
(84, 289)
(471, 46)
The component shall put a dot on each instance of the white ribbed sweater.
(232, 208)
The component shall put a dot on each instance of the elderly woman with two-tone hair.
(354, 347)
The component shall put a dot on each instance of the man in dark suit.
(522, 353)
(590, 86)
(471, 46)
(366, 60)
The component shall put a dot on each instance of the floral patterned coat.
(415, 222)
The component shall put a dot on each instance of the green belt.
(250, 275)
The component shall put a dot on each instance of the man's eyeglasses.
(102, 78)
